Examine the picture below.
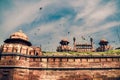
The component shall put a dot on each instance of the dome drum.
(18, 41)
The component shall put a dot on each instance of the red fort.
(19, 60)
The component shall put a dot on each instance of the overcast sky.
(46, 22)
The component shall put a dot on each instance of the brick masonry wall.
(59, 68)
(75, 63)
(75, 75)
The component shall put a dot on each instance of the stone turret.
(16, 52)
(18, 42)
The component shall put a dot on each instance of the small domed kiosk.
(103, 46)
(18, 42)
(103, 42)
(64, 46)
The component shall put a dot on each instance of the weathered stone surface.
(45, 68)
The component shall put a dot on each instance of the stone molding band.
(84, 56)
(38, 68)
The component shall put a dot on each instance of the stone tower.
(14, 57)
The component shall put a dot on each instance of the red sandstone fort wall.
(58, 62)
(61, 62)
(59, 68)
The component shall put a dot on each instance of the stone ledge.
(38, 68)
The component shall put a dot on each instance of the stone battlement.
(61, 61)
(41, 67)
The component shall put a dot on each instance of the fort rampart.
(22, 67)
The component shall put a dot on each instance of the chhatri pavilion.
(18, 42)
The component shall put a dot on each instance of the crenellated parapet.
(28, 67)
(60, 61)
